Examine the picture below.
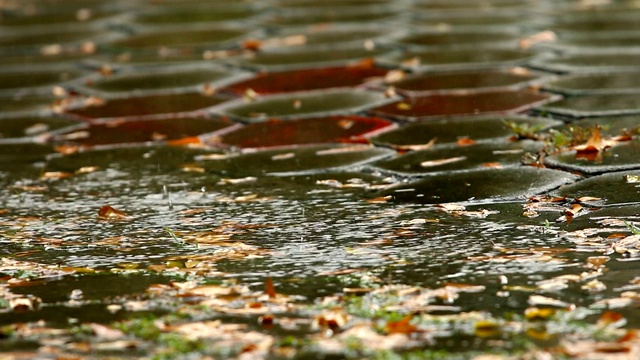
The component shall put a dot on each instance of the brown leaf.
(108, 212)
(402, 326)
(269, 289)
(465, 141)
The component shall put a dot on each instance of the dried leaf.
(541, 37)
(269, 289)
(465, 141)
(402, 326)
(108, 212)
(433, 163)
(414, 147)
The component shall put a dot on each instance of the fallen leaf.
(402, 326)
(108, 212)
(541, 37)
(465, 141)
(269, 289)
(433, 163)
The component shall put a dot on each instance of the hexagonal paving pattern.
(437, 106)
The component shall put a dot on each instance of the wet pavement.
(415, 142)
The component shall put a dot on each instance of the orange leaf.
(465, 141)
(610, 317)
(185, 141)
(269, 289)
(403, 326)
(108, 212)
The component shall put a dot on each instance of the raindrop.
(170, 205)
(165, 192)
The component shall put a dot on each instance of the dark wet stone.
(332, 34)
(32, 126)
(282, 59)
(613, 188)
(303, 104)
(336, 129)
(34, 40)
(435, 106)
(596, 83)
(610, 126)
(467, 5)
(356, 14)
(620, 157)
(133, 160)
(207, 37)
(36, 80)
(597, 22)
(171, 78)
(480, 185)
(443, 82)
(460, 59)
(25, 104)
(308, 79)
(596, 42)
(589, 62)
(47, 14)
(458, 38)
(200, 13)
(480, 129)
(13, 156)
(142, 131)
(595, 105)
(147, 105)
(306, 160)
(479, 156)
(429, 19)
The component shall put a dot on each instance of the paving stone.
(303, 104)
(613, 188)
(142, 131)
(589, 61)
(481, 129)
(141, 106)
(33, 80)
(277, 133)
(438, 106)
(180, 39)
(475, 80)
(38, 40)
(170, 14)
(308, 79)
(596, 84)
(17, 105)
(600, 41)
(127, 162)
(459, 59)
(283, 59)
(329, 34)
(287, 162)
(427, 19)
(487, 185)
(611, 125)
(594, 105)
(165, 79)
(477, 156)
(41, 127)
(623, 156)
(458, 38)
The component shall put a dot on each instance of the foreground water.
(292, 179)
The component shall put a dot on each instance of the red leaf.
(403, 326)
(269, 289)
